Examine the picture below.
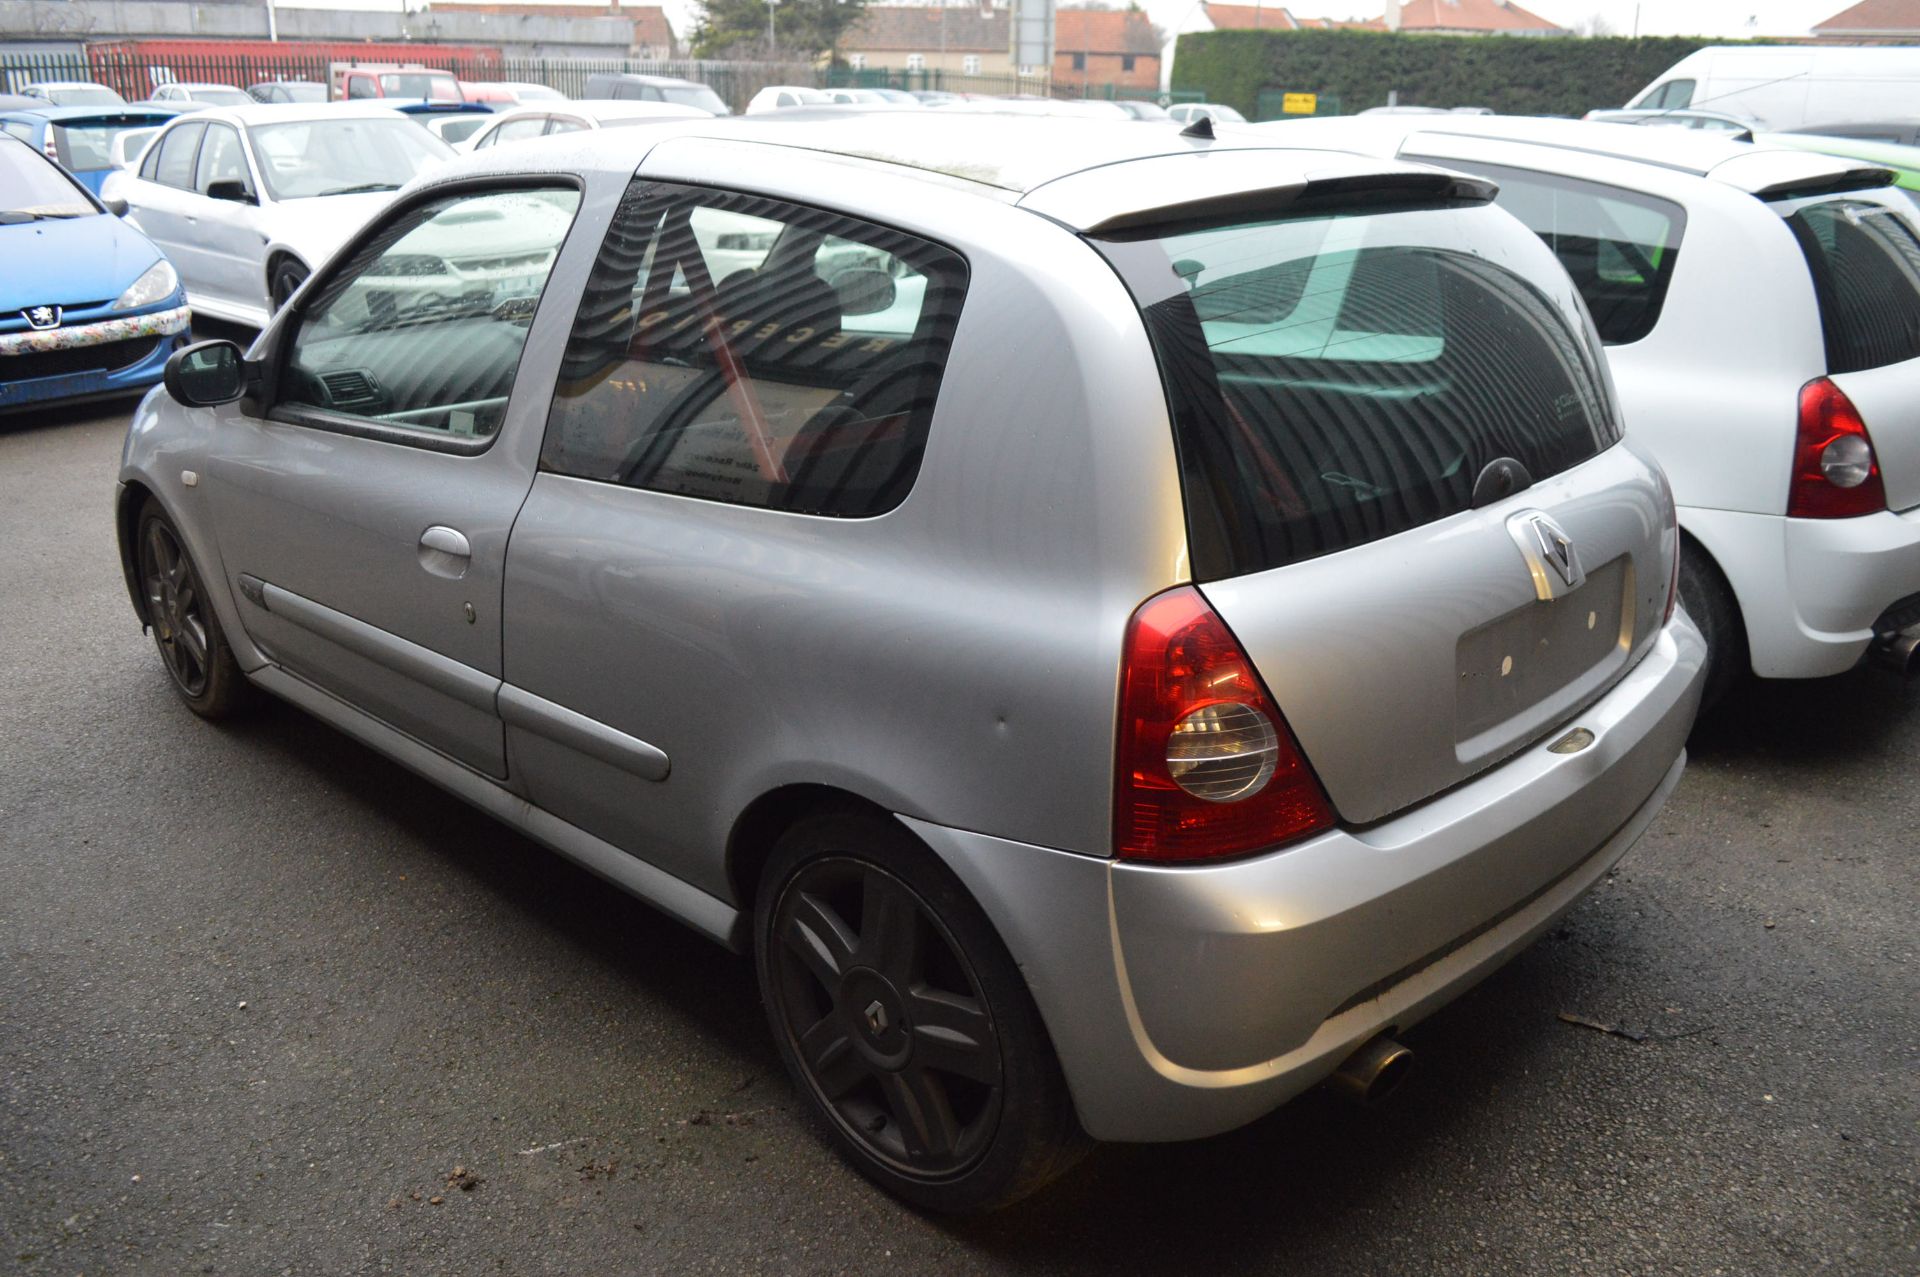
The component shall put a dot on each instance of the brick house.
(652, 37)
(953, 40)
(1105, 46)
(1874, 21)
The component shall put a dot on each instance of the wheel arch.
(755, 832)
(275, 256)
(1689, 536)
(128, 501)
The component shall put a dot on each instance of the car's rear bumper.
(1187, 1001)
(22, 355)
(1811, 590)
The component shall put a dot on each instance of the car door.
(362, 498)
(160, 200)
(229, 239)
(708, 436)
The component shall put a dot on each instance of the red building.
(1105, 46)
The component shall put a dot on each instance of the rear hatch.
(1404, 485)
(1865, 262)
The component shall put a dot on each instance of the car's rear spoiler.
(1218, 184)
(1770, 174)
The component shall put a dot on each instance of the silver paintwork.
(645, 667)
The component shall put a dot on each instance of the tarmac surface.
(269, 1004)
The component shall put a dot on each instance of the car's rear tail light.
(50, 147)
(1207, 766)
(1835, 474)
(1673, 535)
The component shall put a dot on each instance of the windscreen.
(86, 95)
(1866, 274)
(420, 84)
(88, 144)
(32, 187)
(1336, 379)
(696, 95)
(343, 156)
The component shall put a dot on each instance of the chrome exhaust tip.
(1373, 1072)
(1898, 651)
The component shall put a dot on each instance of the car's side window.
(221, 160)
(740, 349)
(360, 86)
(417, 336)
(1619, 246)
(517, 130)
(564, 124)
(177, 152)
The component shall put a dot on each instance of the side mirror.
(863, 290)
(117, 207)
(206, 373)
(231, 190)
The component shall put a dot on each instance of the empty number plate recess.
(1536, 652)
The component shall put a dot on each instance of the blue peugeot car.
(81, 137)
(88, 307)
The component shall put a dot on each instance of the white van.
(1792, 86)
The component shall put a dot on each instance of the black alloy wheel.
(884, 1012)
(286, 281)
(905, 1023)
(175, 608)
(192, 646)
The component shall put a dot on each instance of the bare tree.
(1593, 25)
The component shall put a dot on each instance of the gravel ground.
(270, 1005)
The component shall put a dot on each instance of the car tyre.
(199, 662)
(287, 277)
(1709, 601)
(903, 1022)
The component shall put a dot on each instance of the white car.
(184, 94)
(1761, 314)
(128, 145)
(1188, 112)
(455, 127)
(246, 201)
(776, 97)
(523, 123)
(525, 91)
(71, 93)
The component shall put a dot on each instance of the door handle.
(445, 552)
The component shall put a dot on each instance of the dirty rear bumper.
(1188, 1001)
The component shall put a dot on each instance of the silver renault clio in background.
(1119, 624)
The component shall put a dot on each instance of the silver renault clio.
(1118, 623)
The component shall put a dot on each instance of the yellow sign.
(1300, 103)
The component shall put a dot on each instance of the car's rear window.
(1339, 378)
(1866, 274)
(1619, 246)
(89, 146)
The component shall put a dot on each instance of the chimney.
(1393, 15)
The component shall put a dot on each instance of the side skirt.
(709, 915)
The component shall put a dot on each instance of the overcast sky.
(1728, 18)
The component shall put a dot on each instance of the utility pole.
(771, 45)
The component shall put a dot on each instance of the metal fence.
(841, 77)
(135, 75)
